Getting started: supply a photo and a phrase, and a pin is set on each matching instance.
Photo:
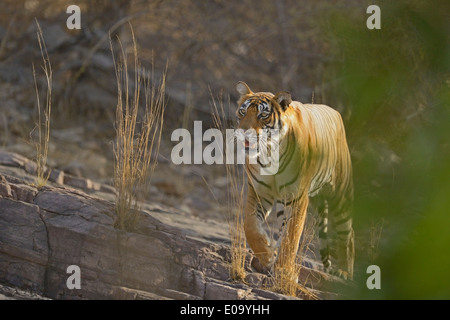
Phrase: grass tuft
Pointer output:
(138, 134)
(43, 124)
(236, 199)
(286, 273)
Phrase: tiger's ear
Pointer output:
(284, 99)
(243, 88)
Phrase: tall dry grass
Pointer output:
(138, 125)
(44, 112)
(291, 254)
(236, 198)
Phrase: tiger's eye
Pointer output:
(263, 115)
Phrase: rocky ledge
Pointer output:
(44, 231)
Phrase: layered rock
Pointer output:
(44, 231)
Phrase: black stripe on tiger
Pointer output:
(322, 233)
(259, 181)
(285, 162)
(346, 219)
(291, 181)
(288, 203)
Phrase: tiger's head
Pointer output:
(260, 111)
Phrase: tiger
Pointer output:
(314, 169)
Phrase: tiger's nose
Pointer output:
(244, 125)
(248, 137)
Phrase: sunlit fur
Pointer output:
(314, 167)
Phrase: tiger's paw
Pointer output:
(260, 267)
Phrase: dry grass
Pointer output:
(137, 137)
(291, 254)
(236, 200)
(286, 279)
(44, 112)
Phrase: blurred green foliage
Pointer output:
(394, 84)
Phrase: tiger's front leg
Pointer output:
(255, 213)
(291, 235)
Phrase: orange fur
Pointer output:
(314, 164)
